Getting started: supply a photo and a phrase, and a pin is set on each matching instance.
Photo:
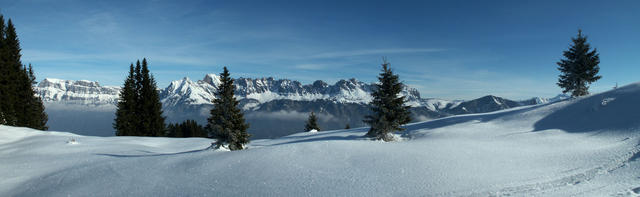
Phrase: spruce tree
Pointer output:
(126, 119)
(5, 111)
(579, 68)
(18, 103)
(36, 116)
(152, 119)
(226, 122)
(139, 111)
(312, 123)
(11, 70)
(389, 111)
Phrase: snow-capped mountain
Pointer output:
(274, 107)
(82, 92)
(262, 90)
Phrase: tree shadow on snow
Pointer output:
(484, 117)
(152, 155)
(313, 138)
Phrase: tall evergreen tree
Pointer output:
(579, 68)
(5, 111)
(126, 119)
(389, 111)
(226, 122)
(312, 123)
(139, 110)
(152, 119)
(18, 103)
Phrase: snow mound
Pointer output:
(614, 110)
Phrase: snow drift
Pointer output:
(579, 147)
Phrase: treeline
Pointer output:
(188, 128)
(19, 105)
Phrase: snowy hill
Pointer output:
(579, 147)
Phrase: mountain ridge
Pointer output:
(273, 107)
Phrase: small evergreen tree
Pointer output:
(579, 68)
(389, 111)
(37, 118)
(226, 122)
(347, 126)
(312, 123)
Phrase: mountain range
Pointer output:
(273, 107)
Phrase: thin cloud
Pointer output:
(311, 66)
(340, 54)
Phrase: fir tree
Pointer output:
(5, 107)
(312, 123)
(389, 111)
(226, 122)
(37, 118)
(139, 110)
(579, 68)
(151, 116)
(126, 119)
(18, 103)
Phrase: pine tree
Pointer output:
(126, 119)
(37, 118)
(5, 111)
(389, 111)
(312, 123)
(10, 69)
(579, 68)
(226, 122)
(139, 110)
(18, 103)
(152, 119)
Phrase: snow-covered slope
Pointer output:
(580, 147)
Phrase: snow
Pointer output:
(576, 147)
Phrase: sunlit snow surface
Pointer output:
(579, 147)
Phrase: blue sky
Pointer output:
(445, 49)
